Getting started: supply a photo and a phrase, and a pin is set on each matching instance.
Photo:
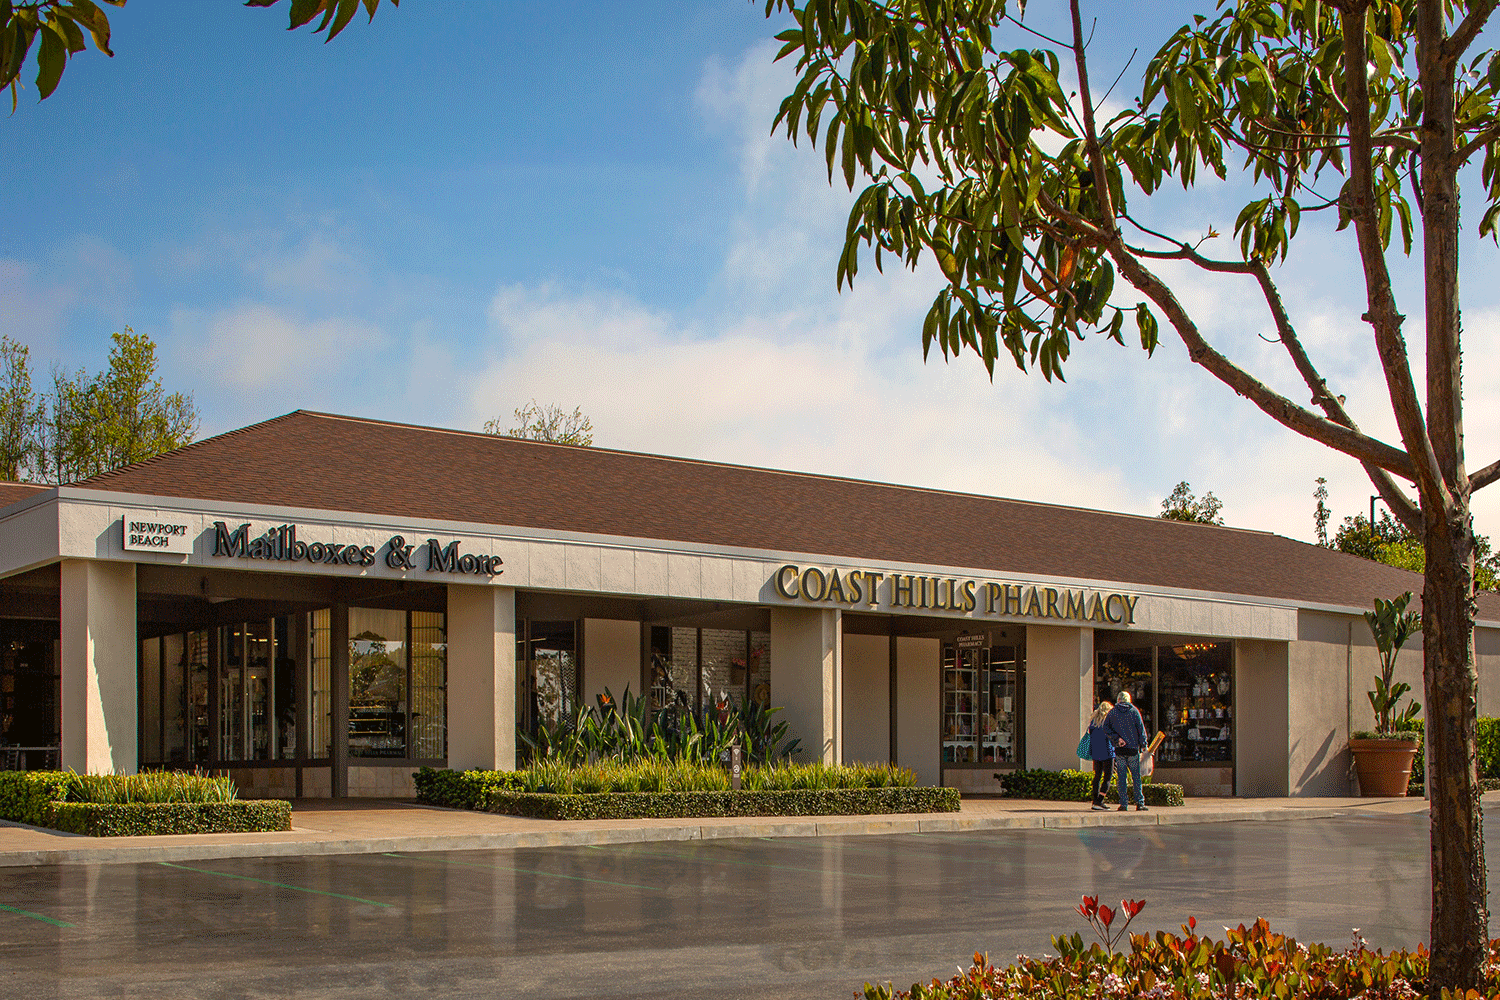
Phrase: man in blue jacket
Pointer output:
(1127, 733)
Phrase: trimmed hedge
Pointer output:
(146, 819)
(1074, 786)
(461, 789)
(42, 798)
(666, 805)
(27, 796)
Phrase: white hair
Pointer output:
(1124, 698)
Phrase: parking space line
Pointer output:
(527, 871)
(735, 861)
(277, 885)
(36, 916)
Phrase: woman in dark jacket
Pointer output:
(1102, 753)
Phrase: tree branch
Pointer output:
(1090, 134)
(1381, 313)
(1395, 498)
(1468, 29)
(1489, 474)
(1477, 143)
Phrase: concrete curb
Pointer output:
(180, 849)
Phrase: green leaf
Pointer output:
(1145, 324)
(51, 58)
(303, 11)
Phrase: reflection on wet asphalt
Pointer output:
(700, 919)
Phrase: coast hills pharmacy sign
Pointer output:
(902, 591)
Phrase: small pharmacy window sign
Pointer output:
(147, 532)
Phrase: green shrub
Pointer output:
(673, 804)
(27, 796)
(1250, 961)
(460, 789)
(150, 786)
(144, 819)
(1074, 786)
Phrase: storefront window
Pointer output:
(30, 705)
(195, 668)
(1196, 701)
(174, 706)
(377, 683)
(547, 653)
(999, 687)
(320, 707)
(1127, 670)
(674, 667)
(961, 703)
(429, 685)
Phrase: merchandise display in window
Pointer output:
(1197, 702)
(981, 702)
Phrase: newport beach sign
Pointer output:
(281, 544)
(901, 591)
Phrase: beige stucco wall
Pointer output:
(611, 658)
(1332, 664)
(98, 649)
(481, 677)
(805, 678)
(1262, 724)
(867, 698)
(1059, 693)
(1487, 656)
(919, 707)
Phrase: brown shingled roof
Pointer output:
(338, 463)
(16, 492)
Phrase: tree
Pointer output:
(17, 410)
(551, 423)
(972, 152)
(1389, 542)
(1321, 513)
(1183, 506)
(61, 25)
(85, 425)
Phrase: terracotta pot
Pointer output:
(1384, 766)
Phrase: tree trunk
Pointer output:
(1460, 912)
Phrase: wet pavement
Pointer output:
(786, 917)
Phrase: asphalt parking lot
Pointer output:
(701, 919)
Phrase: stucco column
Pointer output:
(1059, 693)
(481, 677)
(806, 676)
(99, 653)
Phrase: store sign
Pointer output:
(143, 533)
(281, 544)
(902, 591)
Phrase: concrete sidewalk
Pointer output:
(366, 826)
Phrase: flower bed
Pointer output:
(1075, 786)
(659, 789)
(135, 805)
(1250, 961)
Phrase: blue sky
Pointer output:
(465, 205)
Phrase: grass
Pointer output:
(150, 786)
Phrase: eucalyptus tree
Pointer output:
(953, 118)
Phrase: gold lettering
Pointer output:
(781, 583)
(856, 589)
(991, 591)
(937, 595)
(1109, 603)
(1033, 603)
(1130, 603)
(1013, 599)
(1073, 605)
(873, 579)
(1097, 615)
(902, 585)
(836, 585)
(968, 592)
(807, 576)
(1052, 603)
(923, 603)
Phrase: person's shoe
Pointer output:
(1141, 809)
(1123, 809)
(1100, 807)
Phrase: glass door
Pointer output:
(999, 682)
(232, 693)
(961, 716)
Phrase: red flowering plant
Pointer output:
(1102, 918)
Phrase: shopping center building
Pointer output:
(319, 604)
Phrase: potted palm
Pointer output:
(1383, 758)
